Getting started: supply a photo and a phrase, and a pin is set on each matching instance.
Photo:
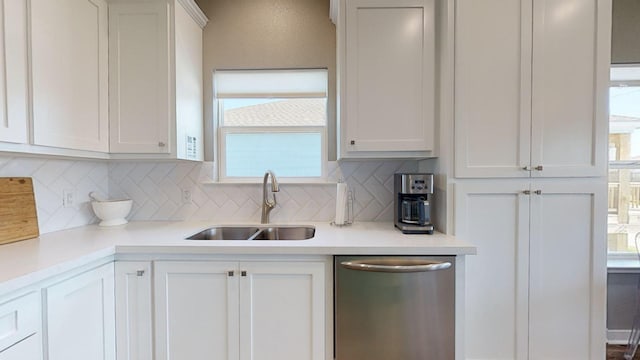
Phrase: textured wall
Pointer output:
(625, 37)
(50, 179)
(274, 34)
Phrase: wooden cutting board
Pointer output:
(18, 217)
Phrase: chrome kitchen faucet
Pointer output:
(268, 205)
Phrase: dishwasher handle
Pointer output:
(396, 265)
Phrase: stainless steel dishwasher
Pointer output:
(394, 307)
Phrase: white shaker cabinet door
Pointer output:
(14, 111)
(282, 311)
(571, 60)
(140, 72)
(388, 77)
(494, 216)
(80, 318)
(69, 72)
(568, 270)
(196, 310)
(134, 310)
(492, 88)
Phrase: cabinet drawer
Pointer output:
(19, 318)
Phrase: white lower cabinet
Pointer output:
(134, 310)
(20, 327)
(27, 349)
(536, 289)
(79, 316)
(239, 310)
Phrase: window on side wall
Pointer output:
(624, 160)
(271, 119)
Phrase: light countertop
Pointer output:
(26, 262)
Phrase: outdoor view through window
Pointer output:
(624, 159)
(272, 119)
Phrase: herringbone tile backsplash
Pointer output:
(157, 189)
(51, 178)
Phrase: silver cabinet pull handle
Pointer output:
(396, 266)
(139, 272)
(539, 167)
(538, 192)
(161, 144)
(526, 192)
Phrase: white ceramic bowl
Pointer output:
(112, 212)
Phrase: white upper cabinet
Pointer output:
(69, 55)
(531, 88)
(155, 79)
(386, 60)
(14, 93)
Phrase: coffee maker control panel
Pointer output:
(416, 184)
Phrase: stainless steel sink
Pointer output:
(225, 233)
(255, 233)
(285, 233)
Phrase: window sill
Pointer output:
(623, 263)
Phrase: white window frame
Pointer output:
(221, 131)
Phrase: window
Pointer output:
(271, 119)
(624, 159)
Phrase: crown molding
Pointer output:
(196, 13)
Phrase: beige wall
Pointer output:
(625, 38)
(260, 34)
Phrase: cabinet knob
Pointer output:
(538, 192)
(161, 144)
(539, 168)
(526, 192)
(526, 168)
(140, 273)
(230, 273)
(352, 142)
(243, 273)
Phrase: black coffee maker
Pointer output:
(413, 198)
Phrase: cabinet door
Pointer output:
(69, 65)
(568, 270)
(134, 310)
(282, 311)
(139, 78)
(492, 88)
(196, 310)
(571, 50)
(80, 317)
(494, 216)
(27, 349)
(14, 118)
(389, 76)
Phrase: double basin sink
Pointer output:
(255, 233)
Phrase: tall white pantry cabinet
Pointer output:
(530, 147)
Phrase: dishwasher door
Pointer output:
(394, 307)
